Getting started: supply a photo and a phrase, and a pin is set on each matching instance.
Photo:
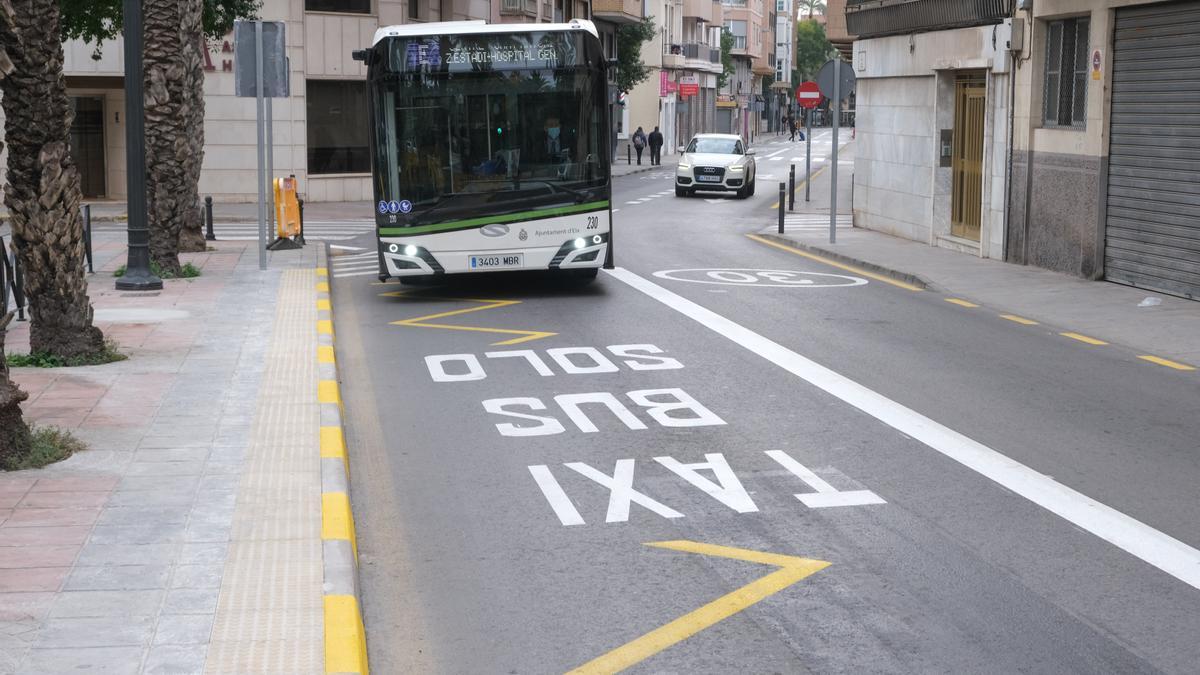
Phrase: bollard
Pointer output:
(208, 225)
(628, 154)
(782, 188)
(18, 286)
(792, 188)
(87, 236)
(300, 202)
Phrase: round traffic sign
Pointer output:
(846, 76)
(808, 95)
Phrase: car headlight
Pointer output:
(683, 166)
(735, 169)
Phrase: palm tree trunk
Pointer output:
(43, 191)
(14, 434)
(174, 125)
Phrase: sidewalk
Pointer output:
(1099, 309)
(188, 538)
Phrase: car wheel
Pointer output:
(680, 192)
(752, 183)
(743, 191)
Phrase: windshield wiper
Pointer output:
(579, 196)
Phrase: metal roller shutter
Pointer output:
(1152, 233)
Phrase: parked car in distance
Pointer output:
(716, 162)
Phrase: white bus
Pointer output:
(490, 148)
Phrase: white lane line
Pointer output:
(1157, 548)
(347, 248)
(775, 159)
(343, 275)
(615, 210)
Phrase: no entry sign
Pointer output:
(808, 95)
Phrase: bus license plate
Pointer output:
(497, 262)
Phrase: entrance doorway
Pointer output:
(87, 144)
(970, 105)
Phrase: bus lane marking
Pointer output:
(1157, 548)
(423, 321)
(792, 569)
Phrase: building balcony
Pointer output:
(673, 56)
(617, 11)
(708, 11)
(877, 18)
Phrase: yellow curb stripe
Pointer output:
(322, 272)
(322, 286)
(1164, 362)
(833, 263)
(336, 521)
(345, 637)
(325, 354)
(323, 304)
(333, 443)
(325, 327)
(1019, 319)
(961, 303)
(1084, 338)
(327, 392)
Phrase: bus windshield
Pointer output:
(496, 124)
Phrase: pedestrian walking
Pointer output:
(656, 143)
(792, 127)
(639, 143)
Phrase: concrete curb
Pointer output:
(899, 275)
(345, 635)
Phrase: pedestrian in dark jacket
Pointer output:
(656, 143)
(639, 143)
(792, 127)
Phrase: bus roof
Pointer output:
(478, 27)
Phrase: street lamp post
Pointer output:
(137, 275)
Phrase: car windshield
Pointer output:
(715, 146)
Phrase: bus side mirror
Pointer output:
(359, 55)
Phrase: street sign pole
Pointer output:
(270, 171)
(262, 178)
(837, 114)
(137, 275)
(807, 152)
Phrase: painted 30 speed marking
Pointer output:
(761, 278)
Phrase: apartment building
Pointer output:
(783, 89)
(319, 134)
(742, 106)
(685, 59)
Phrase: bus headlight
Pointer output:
(580, 243)
(409, 250)
(393, 248)
(596, 239)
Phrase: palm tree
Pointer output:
(43, 191)
(813, 7)
(14, 433)
(174, 82)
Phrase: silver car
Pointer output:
(718, 162)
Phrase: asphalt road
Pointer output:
(946, 462)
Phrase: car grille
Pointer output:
(717, 171)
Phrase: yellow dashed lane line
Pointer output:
(1083, 338)
(1166, 362)
(961, 303)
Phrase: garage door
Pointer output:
(1152, 234)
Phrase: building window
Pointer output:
(738, 30)
(414, 10)
(345, 6)
(1066, 73)
(337, 127)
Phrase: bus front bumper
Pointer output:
(411, 260)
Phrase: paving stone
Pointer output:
(170, 455)
(203, 553)
(125, 515)
(51, 517)
(191, 601)
(145, 483)
(108, 631)
(50, 500)
(118, 578)
(128, 554)
(106, 660)
(145, 532)
(13, 557)
(151, 498)
(43, 536)
(198, 576)
(107, 603)
(161, 468)
(183, 629)
(25, 605)
(176, 659)
(33, 579)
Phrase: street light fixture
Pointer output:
(137, 275)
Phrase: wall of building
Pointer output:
(905, 98)
(1056, 211)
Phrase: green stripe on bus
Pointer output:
(512, 217)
